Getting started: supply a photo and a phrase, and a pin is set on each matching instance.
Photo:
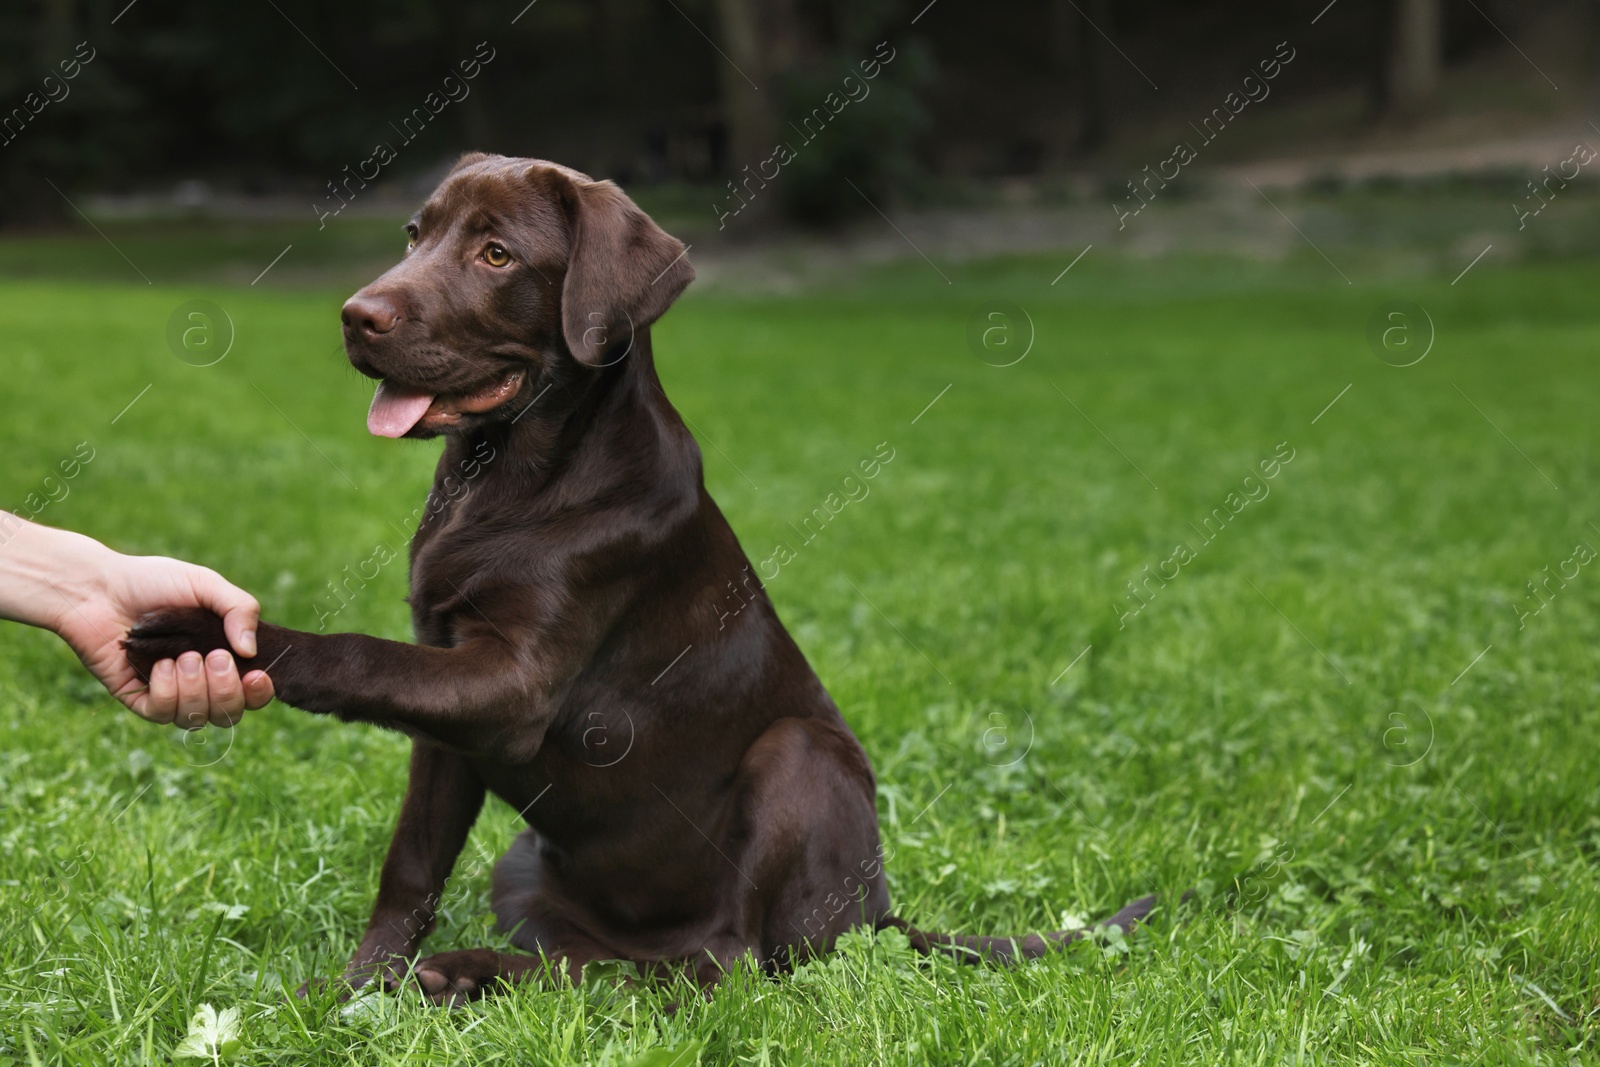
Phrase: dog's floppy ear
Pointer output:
(623, 271)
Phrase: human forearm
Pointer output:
(47, 573)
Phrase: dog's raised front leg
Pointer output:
(485, 695)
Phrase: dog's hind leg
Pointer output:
(810, 840)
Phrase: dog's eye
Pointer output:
(496, 255)
(411, 239)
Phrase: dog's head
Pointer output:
(513, 266)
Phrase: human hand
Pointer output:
(191, 690)
(91, 596)
(115, 591)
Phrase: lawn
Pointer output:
(1345, 719)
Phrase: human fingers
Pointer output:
(258, 691)
(192, 695)
(161, 699)
(224, 691)
(240, 612)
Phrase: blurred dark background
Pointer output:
(188, 100)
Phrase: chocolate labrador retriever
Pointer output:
(692, 794)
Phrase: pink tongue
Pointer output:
(395, 410)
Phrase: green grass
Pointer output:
(1393, 844)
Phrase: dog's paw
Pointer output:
(389, 977)
(385, 971)
(169, 633)
(451, 978)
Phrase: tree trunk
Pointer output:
(1064, 29)
(748, 103)
(1064, 49)
(1095, 128)
(1411, 73)
(470, 23)
(762, 39)
(55, 39)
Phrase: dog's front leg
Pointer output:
(442, 801)
(490, 694)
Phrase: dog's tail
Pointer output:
(1003, 951)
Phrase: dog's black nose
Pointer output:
(368, 315)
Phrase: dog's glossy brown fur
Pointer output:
(692, 793)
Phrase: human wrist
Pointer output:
(47, 574)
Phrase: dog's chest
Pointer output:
(440, 565)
